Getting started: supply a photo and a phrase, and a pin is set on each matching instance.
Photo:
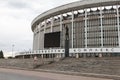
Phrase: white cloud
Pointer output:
(15, 21)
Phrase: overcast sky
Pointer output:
(15, 21)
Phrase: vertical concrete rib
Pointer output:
(33, 40)
(39, 36)
(72, 26)
(52, 24)
(45, 26)
(35, 47)
(85, 28)
(101, 23)
(61, 17)
(118, 25)
(44, 32)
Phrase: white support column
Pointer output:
(72, 26)
(37, 37)
(39, 27)
(45, 27)
(52, 24)
(33, 40)
(118, 25)
(61, 37)
(85, 28)
(44, 33)
(101, 23)
(61, 22)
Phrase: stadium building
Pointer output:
(93, 27)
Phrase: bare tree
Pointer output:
(1, 54)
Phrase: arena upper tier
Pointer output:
(91, 23)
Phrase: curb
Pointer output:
(82, 74)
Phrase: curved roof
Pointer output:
(71, 7)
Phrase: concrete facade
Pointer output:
(92, 24)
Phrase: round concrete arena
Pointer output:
(91, 24)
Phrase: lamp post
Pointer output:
(12, 49)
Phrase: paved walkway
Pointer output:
(12, 74)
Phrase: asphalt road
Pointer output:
(12, 74)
